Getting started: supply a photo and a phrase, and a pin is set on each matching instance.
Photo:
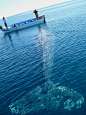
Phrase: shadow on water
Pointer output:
(10, 37)
(17, 33)
(50, 96)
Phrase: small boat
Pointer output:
(24, 24)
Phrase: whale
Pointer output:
(50, 97)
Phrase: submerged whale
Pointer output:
(50, 96)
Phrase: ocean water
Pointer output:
(43, 68)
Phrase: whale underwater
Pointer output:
(49, 96)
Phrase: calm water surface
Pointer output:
(54, 52)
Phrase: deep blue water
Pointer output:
(30, 56)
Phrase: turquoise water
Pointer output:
(43, 68)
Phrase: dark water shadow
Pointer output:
(10, 38)
(9, 35)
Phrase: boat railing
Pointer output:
(25, 22)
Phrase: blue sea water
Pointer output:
(55, 51)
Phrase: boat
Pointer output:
(24, 24)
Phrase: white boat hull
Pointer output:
(29, 24)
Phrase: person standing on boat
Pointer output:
(36, 14)
(5, 23)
